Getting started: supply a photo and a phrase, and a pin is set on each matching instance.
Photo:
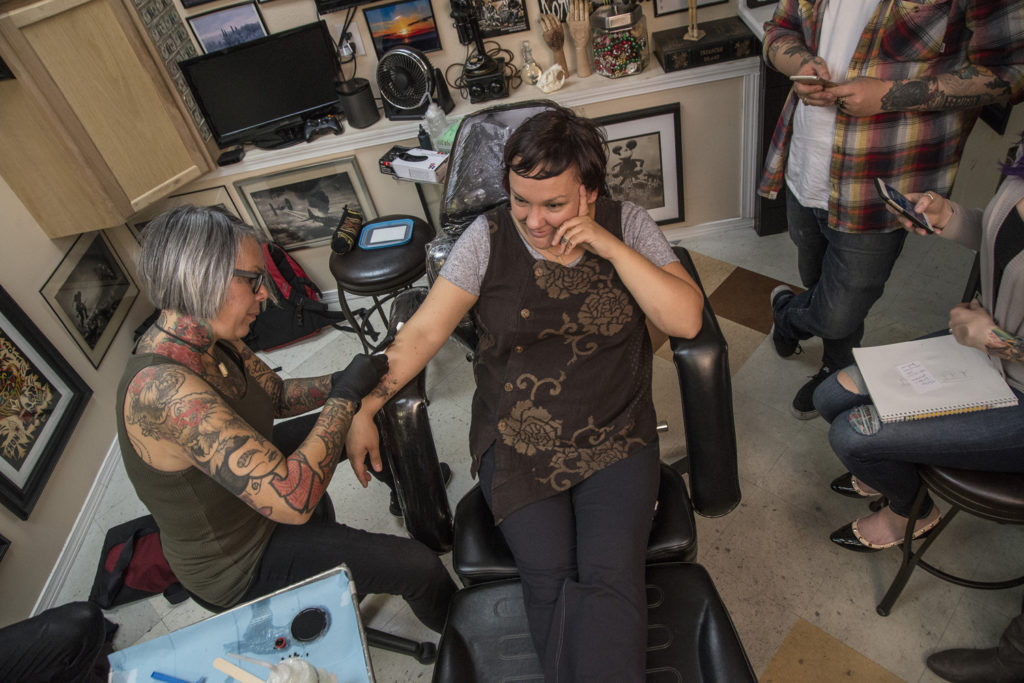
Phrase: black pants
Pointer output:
(60, 644)
(581, 558)
(380, 563)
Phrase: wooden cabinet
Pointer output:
(90, 131)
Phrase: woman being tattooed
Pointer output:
(568, 289)
(882, 458)
(240, 503)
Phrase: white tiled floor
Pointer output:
(771, 557)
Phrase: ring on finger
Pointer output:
(930, 196)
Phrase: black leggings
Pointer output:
(580, 555)
(380, 563)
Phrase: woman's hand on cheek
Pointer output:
(583, 231)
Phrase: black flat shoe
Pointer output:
(849, 538)
(845, 485)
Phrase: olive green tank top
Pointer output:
(212, 540)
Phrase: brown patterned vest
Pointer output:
(563, 368)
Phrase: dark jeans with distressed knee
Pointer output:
(581, 557)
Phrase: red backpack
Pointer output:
(298, 312)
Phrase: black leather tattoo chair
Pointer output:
(686, 614)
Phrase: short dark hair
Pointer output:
(548, 143)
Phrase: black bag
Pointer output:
(132, 566)
(298, 313)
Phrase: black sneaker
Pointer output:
(396, 509)
(803, 405)
(786, 347)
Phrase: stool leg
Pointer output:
(910, 558)
(355, 322)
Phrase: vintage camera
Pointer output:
(489, 84)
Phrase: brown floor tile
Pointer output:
(743, 298)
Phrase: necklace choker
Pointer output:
(195, 347)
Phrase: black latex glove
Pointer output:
(359, 378)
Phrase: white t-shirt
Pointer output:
(810, 150)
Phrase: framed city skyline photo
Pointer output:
(408, 23)
(302, 207)
(645, 164)
(41, 400)
(227, 26)
(91, 293)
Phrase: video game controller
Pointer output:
(314, 126)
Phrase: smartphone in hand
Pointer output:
(811, 79)
(902, 205)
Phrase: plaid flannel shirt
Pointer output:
(913, 151)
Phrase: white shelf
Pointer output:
(576, 92)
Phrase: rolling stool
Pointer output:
(379, 274)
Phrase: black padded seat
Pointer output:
(380, 274)
(995, 496)
(690, 636)
(480, 553)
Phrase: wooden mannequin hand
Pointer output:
(579, 29)
(555, 38)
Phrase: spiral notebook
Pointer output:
(931, 377)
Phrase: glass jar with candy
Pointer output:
(619, 40)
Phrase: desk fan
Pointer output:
(407, 81)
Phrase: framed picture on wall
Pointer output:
(500, 17)
(302, 207)
(406, 22)
(4, 545)
(91, 293)
(215, 196)
(645, 163)
(42, 398)
(227, 26)
(672, 6)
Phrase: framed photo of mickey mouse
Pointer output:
(645, 163)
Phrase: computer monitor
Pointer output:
(263, 91)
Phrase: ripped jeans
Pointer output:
(885, 455)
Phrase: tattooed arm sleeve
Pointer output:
(1004, 345)
(172, 411)
(291, 397)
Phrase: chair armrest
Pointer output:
(407, 443)
(702, 364)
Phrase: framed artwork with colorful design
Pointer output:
(41, 399)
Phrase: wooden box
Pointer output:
(724, 39)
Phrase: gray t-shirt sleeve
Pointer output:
(640, 232)
(467, 261)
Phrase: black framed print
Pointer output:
(501, 17)
(4, 545)
(42, 398)
(645, 164)
(301, 208)
(91, 292)
(408, 23)
(218, 197)
(227, 26)
(662, 7)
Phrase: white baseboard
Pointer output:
(675, 234)
(73, 545)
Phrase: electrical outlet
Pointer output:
(354, 38)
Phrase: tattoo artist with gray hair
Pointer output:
(900, 85)
(241, 503)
